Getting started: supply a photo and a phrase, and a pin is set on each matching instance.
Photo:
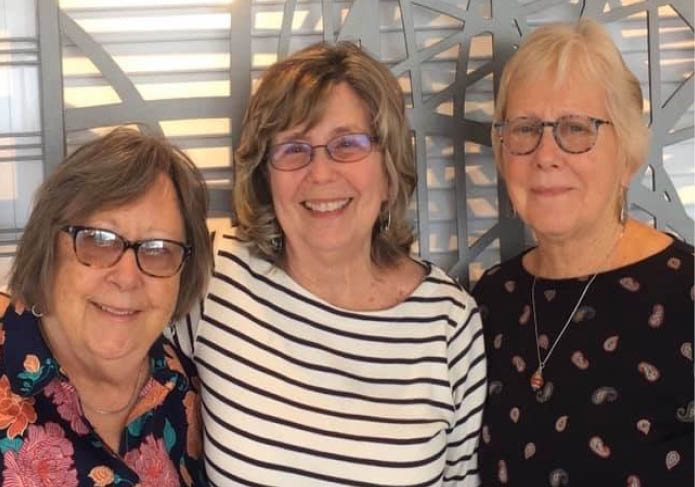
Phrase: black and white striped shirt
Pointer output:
(299, 393)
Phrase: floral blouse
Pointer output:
(46, 440)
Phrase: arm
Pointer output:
(467, 372)
(183, 331)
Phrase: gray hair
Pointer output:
(106, 173)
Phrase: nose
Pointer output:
(125, 273)
(321, 167)
(547, 155)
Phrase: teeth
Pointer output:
(119, 312)
(326, 206)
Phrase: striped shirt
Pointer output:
(299, 393)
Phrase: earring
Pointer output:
(276, 243)
(385, 225)
(35, 311)
(623, 211)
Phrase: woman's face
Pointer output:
(563, 195)
(330, 206)
(117, 312)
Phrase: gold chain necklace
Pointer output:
(110, 412)
(537, 380)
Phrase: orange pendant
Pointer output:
(537, 379)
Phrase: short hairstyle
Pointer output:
(587, 48)
(106, 173)
(293, 92)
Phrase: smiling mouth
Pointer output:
(550, 191)
(116, 311)
(326, 206)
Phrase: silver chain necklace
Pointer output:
(537, 380)
(537, 377)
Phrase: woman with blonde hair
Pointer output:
(328, 354)
(589, 334)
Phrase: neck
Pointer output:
(87, 372)
(341, 279)
(579, 255)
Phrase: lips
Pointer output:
(120, 312)
(550, 190)
(326, 206)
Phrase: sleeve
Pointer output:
(183, 331)
(468, 378)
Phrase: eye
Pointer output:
(576, 126)
(98, 238)
(154, 248)
(523, 127)
(289, 149)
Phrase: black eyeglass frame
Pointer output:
(597, 122)
(373, 140)
(74, 230)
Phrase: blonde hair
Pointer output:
(106, 173)
(587, 48)
(294, 92)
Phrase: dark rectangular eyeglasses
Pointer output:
(156, 257)
(290, 156)
(574, 134)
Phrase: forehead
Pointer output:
(549, 92)
(340, 110)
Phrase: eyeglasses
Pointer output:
(99, 248)
(290, 156)
(574, 134)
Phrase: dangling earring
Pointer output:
(276, 243)
(622, 213)
(385, 225)
(35, 311)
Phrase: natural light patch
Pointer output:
(188, 22)
(481, 208)
(82, 66)
(195, 126)
(210, 156)
(184, 89)
(7, 183)
(90, 96)
(262, 60)
(107, 4)
(273, 20)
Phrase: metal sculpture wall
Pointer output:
(447, 55)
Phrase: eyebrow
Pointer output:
(340, 130)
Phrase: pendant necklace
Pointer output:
(537, 377)
(537, 380)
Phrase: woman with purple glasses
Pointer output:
(589, 334)
(329, 356)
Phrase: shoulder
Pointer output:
(232, 253)
(440, 282)
(175, 359)
(496, 277)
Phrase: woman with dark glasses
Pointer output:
(329, 356)
(115, 248)
(589, 334)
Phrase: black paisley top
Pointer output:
(616, 408)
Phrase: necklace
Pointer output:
(84, 404)
(537, 380)
(109, 412)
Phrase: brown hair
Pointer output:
(588, 48)
(106, 173)
(293, 92)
